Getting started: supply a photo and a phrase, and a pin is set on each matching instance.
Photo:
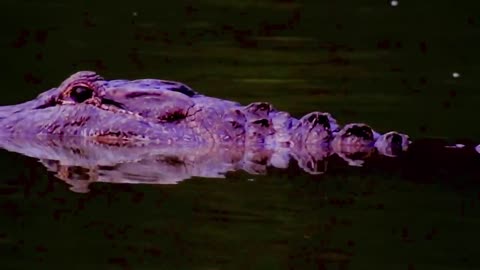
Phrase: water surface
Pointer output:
(391, 67)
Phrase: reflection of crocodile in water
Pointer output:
(122, 112)
(79, 161)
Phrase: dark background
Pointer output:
(360, 60)
(363, 61)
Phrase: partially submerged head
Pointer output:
(85, 104)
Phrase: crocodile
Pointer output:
(126, 112)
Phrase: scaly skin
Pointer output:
(121, 112)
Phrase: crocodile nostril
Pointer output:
(80, 94)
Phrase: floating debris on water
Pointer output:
(134, 14)
(477, 148)
(455, 75)
(394, 3)
(458, 145)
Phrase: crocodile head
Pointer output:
(110, 111)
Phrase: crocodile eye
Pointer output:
(80, 94)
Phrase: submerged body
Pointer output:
(125, 112)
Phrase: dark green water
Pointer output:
(363, 61)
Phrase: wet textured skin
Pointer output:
(122, 112)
